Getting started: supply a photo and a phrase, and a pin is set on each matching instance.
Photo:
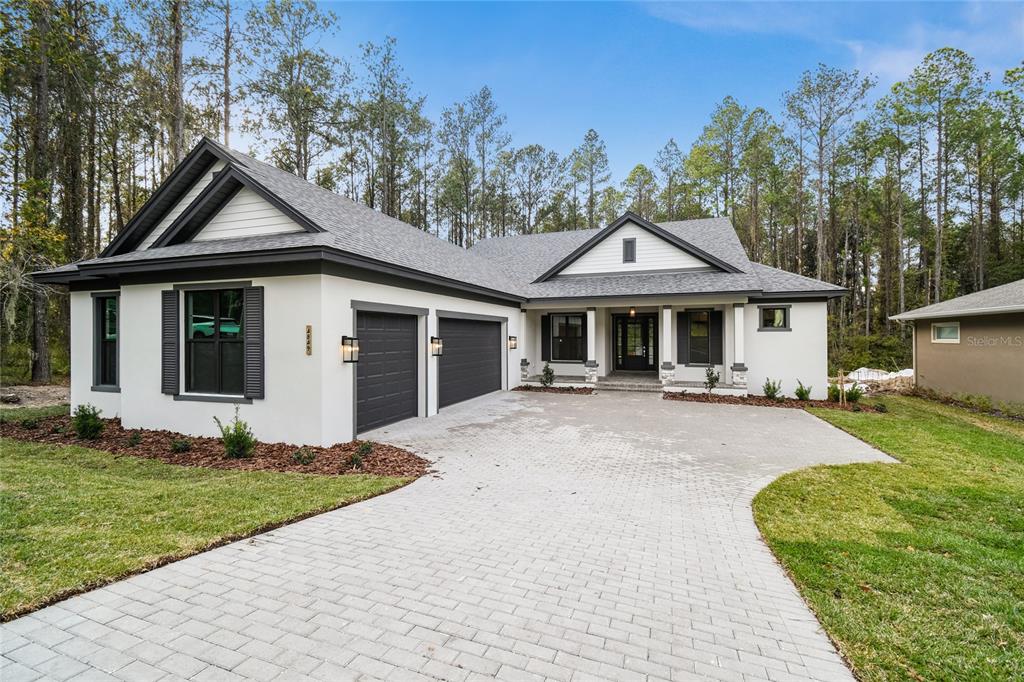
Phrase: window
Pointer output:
(629, 250)
(567, 340)
(213, 341)
(946, 332)
(700, 337)
(105, 359)
(774, 318)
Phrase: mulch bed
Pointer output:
(383, 460)
(554, 389)
(761, 401)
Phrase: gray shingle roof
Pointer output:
(508, 265)
(1007, 298)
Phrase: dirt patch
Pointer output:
(381, 460)
(554, 389)
(761, 401)
(27, 395)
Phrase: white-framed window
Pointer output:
(945, 332)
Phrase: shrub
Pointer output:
(179, 445)
(854, 393)
(237, 437)
(881, 407)
(856, 407)
(134, 438)
(303, 456)
(802, 392)
(833, 393)
(87, 422)
(29, 423)
(982, 403)
(771, 389)
(711, 379)
(547, 376)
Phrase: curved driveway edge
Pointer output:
(563, 537)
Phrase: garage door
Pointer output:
(386, 374)
(471, 364)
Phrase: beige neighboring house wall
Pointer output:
(988, 360)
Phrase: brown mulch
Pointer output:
(577, 390)
(761, 401)
(383, 460)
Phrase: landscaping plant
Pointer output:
(134, 438)
(238, 439)
(802, 392)
(87, 422)
(179, 445)
(547, 376)
(834, 393)
(304, 456)
(364, 450)
(772, 389)
(29, 423)
(711, 379)
(854, 393)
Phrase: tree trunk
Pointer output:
(227, 71)
(177, 85)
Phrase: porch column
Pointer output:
(525, 337)
(590, 366)
(668, 367)
(739, 367)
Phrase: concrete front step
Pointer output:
(642, 387)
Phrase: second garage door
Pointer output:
(387, 388)
(471, 363)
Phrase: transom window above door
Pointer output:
(214, 346)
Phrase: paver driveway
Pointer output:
(563, 537)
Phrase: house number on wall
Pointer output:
(309, 339)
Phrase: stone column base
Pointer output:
(739, 376)
(524, 369)
(590, 370)
(668, 372)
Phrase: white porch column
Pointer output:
(525, 345)
(739, 367)
(590, 367)
(668, 367)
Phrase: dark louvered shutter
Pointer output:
(253, 336)
(545, 338)
(170, 358)
(683, 338)
(716, 337)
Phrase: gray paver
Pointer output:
(563, 537)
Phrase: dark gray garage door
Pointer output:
(386, 374)
(471, 364)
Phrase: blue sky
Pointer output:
(640, 73)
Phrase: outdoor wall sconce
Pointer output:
(632, 311)
(349, 349)
(513, 343)
(436, 346)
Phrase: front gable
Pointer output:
(634, 245)
(246, 214)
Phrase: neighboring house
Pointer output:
(973, 344)
(240, 284)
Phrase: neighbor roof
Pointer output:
(1008, 298)
(345, 231)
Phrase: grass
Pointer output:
(72, 518)
(916, 569)
(16, 414)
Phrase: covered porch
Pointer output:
(665, 344)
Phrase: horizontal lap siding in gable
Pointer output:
(651, 253)
(247, 215)
(180, 207)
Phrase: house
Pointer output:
(241, 284)
(973, 344)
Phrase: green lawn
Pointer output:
(71, 517)
(915, 569)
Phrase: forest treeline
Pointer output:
(906, 197)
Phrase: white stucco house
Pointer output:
(240, 284)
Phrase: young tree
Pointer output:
(536, 173)
(489, 138)
(669, 164)
(640, 189)
(593, 166)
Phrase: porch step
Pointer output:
(650, 386)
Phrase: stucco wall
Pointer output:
(989, 360)
(787, 356)
(308, 398)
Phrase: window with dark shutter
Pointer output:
(215, 324)
(254, 350)
(105, 333)
(169, 358)
(700, 337)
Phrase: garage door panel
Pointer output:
(471, 364)
(387, 376)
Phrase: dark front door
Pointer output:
(636, 342)
(471, 363)
(387, 385)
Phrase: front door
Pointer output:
(635, 342)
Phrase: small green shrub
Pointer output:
(711, 379)
(57, 428)
(881, 407)
(854, 393)
(30, 423)
(179, 445)
(303, 456)
(547, 376)
(772, 389)
(982, 403)
(364, 450)
(237, 437)
(856, 407)
(87, 422)
(834, 393)
(134, 439)
(802, 392)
